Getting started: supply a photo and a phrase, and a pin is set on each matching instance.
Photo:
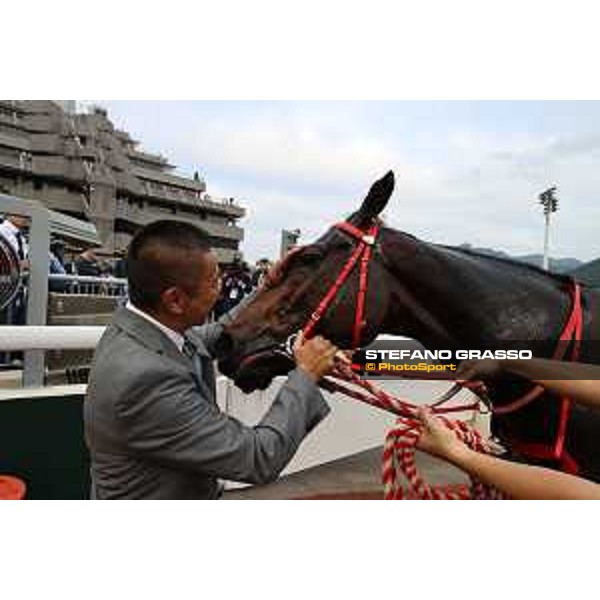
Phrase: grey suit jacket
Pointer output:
(153, 427)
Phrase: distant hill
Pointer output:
(589, 273)
(558, 265)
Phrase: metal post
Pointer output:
(37, 292)
(37, 287)
(550, 203)
(546, 263)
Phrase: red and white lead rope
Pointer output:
(401, 441)
(399, 457)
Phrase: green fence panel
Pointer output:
(41, 442)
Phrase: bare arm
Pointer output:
(525, 482)
(521, 482)
(579, 381)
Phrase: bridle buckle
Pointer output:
(368, 239)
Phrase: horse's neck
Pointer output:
(443, 295)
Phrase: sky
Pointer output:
(466, 172)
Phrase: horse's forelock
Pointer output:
(275, 275)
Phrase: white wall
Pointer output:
(351, 427)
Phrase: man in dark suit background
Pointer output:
(152, 424)
(12, 230)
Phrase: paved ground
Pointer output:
(354, 476)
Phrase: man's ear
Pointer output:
(173, 299)
(376, 200)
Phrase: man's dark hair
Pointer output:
(157, 259)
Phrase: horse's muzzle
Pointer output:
(255, 368)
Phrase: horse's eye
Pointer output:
(281, 311)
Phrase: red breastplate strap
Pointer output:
(362, 252)
(572, 332)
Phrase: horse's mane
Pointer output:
(502, 260)
(508, 261)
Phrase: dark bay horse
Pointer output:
(442, 296)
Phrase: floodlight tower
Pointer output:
(550, 203)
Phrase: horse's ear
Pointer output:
(376, 199)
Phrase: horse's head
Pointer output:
(295, 288)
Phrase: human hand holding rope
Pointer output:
(316, 356)
(436, 438)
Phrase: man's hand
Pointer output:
(316, 357)
(437, 439)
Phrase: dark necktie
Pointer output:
(20, 251)
(203, 367)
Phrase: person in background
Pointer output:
(57, 249)
(107, 269)
(86, 264)
(13, 229)
(236, 284)
(120, 270)
(578, 381)
(262, 268)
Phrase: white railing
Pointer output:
(87, 279)
(49, 337)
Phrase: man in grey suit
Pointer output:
(152, 424)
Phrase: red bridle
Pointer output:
(362, 252)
